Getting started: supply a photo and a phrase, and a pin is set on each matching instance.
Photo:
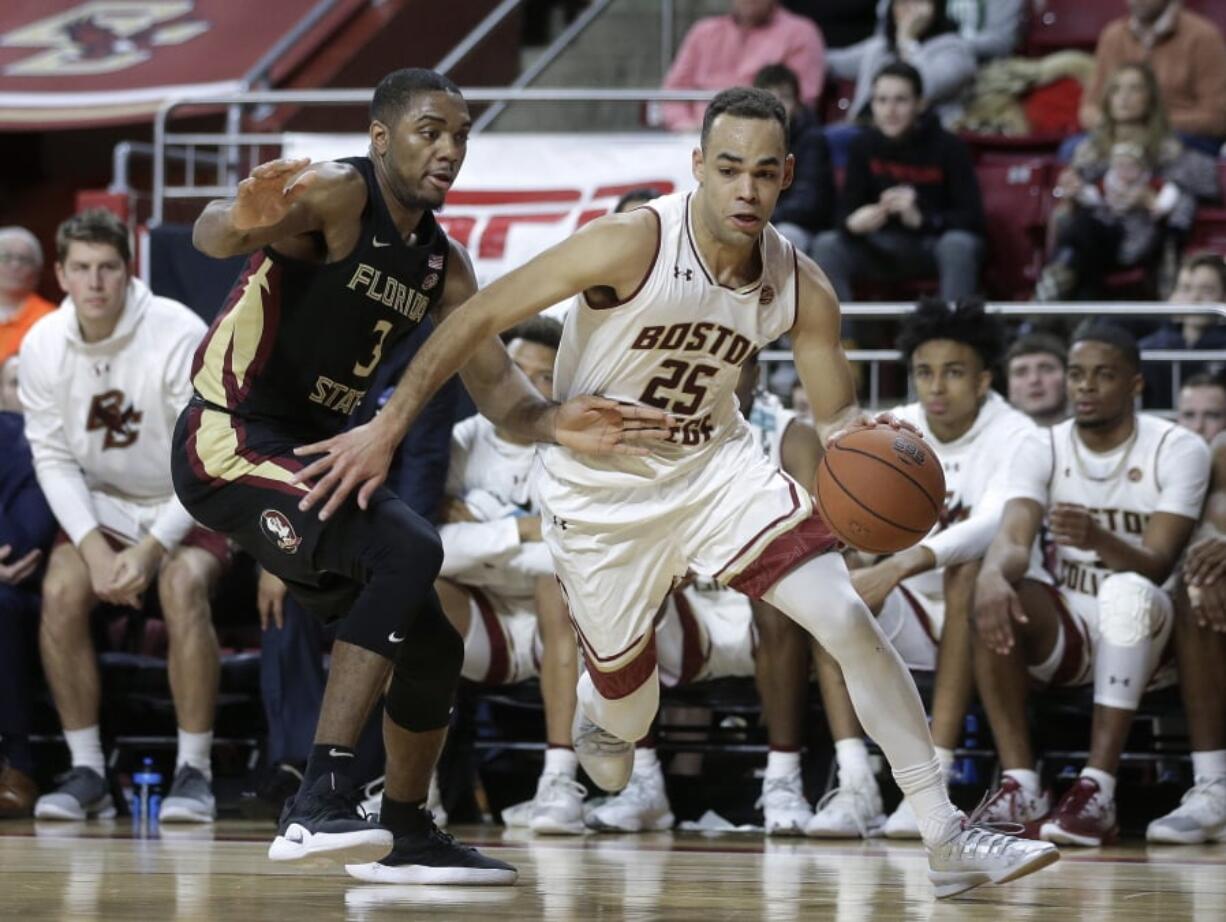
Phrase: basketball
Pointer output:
(880, 490)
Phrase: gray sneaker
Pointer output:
(607, 759)
(981, 853)
(190, 799)
(81, 793)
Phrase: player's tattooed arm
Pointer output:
(278, 203)
(824, 371)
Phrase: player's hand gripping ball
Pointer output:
(880, 490)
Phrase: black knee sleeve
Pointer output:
(426, 671)
(398, 555)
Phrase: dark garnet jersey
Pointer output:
(297, 343)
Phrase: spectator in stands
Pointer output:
(1034, 367)
(634, 198)
(1201, 280)
(292, 675)
(26, 530)
(21, 263)
(1148, 185)
(1188, 58)
(806, 206)
(992, 29)
(910, 205)
(102, 383)
(1202, 405)
(920, 33)
(725, 51)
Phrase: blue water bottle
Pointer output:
(147, 796)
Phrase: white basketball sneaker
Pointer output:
(1200, 816)
(557, 808)
(785, 811)
(642, 807)
(607, 759)
(902, 823)
(848, 813)
(976, 854)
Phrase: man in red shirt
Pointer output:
(21, 262)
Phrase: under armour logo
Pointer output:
(560, 523)
(687, 274)
(377, 243)
(1125, 682)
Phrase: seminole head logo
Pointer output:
(101, 36)
(278, 529)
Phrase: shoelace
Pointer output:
(349, 801)
(606, 742)
(786, 787)
(977, 822)
(859, 800)
(637, 792)
(560, 785)
(1213, 790)
(1080, 798)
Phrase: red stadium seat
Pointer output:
(1056, 25)
(1016, 201)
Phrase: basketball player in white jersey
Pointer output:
(1120, 492)
(497, 585)
(670, 300)
(1200, 653)
(706, 631)
(922, 595)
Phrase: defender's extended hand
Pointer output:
(266, 195)
(599, 426)
(358, 459)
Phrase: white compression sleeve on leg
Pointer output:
(1134, 619)
(819, 596)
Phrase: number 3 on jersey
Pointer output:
(382, 328)
(685, 387)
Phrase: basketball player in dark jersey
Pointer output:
(346, 259)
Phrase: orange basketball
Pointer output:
(880, 490)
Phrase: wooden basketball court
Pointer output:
(100, 871)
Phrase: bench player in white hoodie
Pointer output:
(669, 301)
(922, 595)
(103, 380)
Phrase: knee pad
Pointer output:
(426, 672)
(1131, 610)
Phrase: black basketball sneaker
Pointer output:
(324, 821)
(427, 855)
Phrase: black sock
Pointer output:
(326, 758)
(403, 816)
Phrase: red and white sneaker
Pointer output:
(1085, 816)
(1013, 804)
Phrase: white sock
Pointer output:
(1027, 778)
(1106, 782)
(946, 758)
(196, 750)
(86, 748)
(780, 764)
(924, 787)
(646, 759)
(854, 768)
(560, 761)
(1208, 765)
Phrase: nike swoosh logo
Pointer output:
(337, 754)
(394, 638)
(375, 241)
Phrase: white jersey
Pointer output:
(974, 496)
(493, 478)
(1162, 468)
(768, 421)
(676, 344)
(100, 416)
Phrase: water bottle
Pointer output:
(147, 795)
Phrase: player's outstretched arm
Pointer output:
(821, 362)
(615, 252)
(280, 200)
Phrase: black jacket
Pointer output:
(809, 201)
(929, 158)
